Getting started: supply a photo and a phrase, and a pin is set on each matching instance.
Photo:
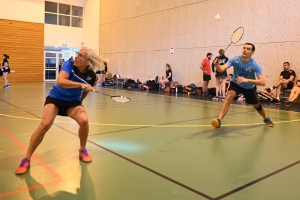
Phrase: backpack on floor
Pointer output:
(212, 91)
(264, 95)
(108, 82)
(129, 83)
(152, 84)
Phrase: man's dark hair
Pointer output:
(6, 56)
(208, 54)
(287, 63)
(253, 47)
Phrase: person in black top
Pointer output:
(6, 70)
(168, 77)
(101, 74)
(286, 81)
(61, 64)
(220, 76)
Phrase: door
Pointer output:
(52, 61)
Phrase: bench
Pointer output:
(285, 93)
(118, 81)
(169, 84)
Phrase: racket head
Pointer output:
(237, 35)
(121, 99)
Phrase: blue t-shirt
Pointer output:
(72, 94)
(247, 70)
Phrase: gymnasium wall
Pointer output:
(136, 35)
(24, 43)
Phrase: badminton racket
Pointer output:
(121, 99)
(236, 36)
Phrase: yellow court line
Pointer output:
(151, 125)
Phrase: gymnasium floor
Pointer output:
(156, 147)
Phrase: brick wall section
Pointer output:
(24, 43)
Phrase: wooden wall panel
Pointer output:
(24, 43)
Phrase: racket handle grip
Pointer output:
(83, 88)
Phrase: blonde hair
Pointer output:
(95, 61)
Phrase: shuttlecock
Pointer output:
(217, 16)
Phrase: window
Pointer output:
(64, 20)
(64, 9)
(77, 11)
(63, 14)
(51, 7)
(77, 22)
(50, 18)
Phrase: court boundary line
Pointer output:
(256, 181)
(56, 176)
(154, 125)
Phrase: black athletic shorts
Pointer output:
(249, 94)
(206, 77)
(221, 74)
(63, 106)
(6, 69)
(290, 85)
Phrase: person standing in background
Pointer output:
(220, 76)
(6, 70)
(205, 67)
(61, 64)
(101, 74)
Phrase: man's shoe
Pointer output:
(268, 122)
(23, 167)
(216, 123)
(277, 101)
(84, 155)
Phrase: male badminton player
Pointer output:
(246, 69)
(65, 99)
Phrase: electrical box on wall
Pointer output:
(172, 51)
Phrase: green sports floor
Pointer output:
(156, 147)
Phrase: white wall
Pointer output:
(59, 35)
(23, 10)
(91, 24)
(136, 35)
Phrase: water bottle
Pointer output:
(176, 90)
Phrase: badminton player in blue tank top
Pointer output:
(247, 74)
(75, 80)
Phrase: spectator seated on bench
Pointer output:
(286, 81)
(168, 77)
(294, 93)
